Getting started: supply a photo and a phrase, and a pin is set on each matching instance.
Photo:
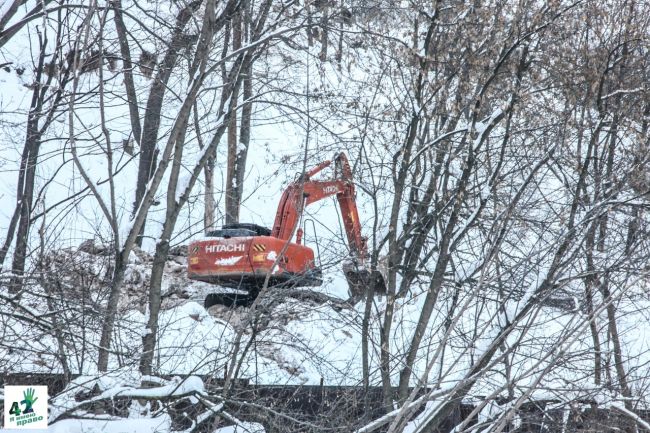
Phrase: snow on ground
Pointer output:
(304, 341)
(301, 342)
(130, 425)
(159, 424)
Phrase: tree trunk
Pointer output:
(160, 258)
(232, 203)
(111, 312)
(176, 201)
(11, 231)
(27, 176)
(174, 207)
(324, 34)
(22, 235)
(127, 70)
(157, 268)
(244, 137)
(612, 327)
(9, 12)
(210, 204)
(590, 282)
(394, 258)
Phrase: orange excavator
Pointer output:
(241, 256)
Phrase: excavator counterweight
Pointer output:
(241, 256)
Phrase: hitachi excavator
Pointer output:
(242, 256)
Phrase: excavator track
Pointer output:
(230, 300)
(251, 287)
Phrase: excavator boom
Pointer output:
(307, 191)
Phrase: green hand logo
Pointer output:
(29, 400)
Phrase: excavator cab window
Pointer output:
(230, 233)
(239, 230)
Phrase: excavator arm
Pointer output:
(305, 191)
(347, 202)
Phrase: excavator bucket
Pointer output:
(361, 280)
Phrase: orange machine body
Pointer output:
(242, 262)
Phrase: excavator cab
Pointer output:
(242, 256)
(239, 256)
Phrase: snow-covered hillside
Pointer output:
(499, 154)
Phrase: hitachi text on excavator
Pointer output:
(241, 256)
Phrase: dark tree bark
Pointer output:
(324, 33)
(11, 231)
(32, 147)
(232, 203)
(8, 33)
(9, 13)
(244, 133)
(27, 174)
(127, 70)
(590, 283)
